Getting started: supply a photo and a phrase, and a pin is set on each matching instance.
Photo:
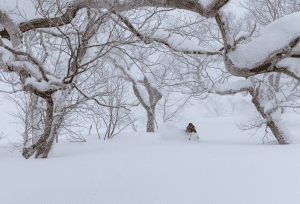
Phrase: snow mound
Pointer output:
(173, 131)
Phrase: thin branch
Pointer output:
(58, 35)
(101, 104)
(148, 40)
(74, 6)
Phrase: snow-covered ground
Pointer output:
(226, 166)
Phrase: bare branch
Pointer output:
(58, 35)
(73, 7)
(148, 40)
(101, 104)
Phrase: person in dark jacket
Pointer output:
(190, 129)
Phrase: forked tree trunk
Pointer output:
(273, 122)
(154, 96)
(43, 146)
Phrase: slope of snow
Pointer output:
(226, 166)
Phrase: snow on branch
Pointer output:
(206, 8)
(20, 65)
(41, 89)
(291, 64)
(273, 38)
(242, 35)
(41, 86)
(175, 42)
(233, 87)
(27, 66)
(276, 42)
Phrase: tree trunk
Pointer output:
(273, 122)
(43, 145)
(277, 130)
(36, 119)
(150, 121)
(154, 97)
(60, 111)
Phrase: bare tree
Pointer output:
(30, 118)
(113, 117)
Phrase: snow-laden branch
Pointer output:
(273, 38)
(31, 69)
(206, 8)
(233, 87)
(41, 89)
(242, 35)
(291, 64)
(275, 42)
(175, 42)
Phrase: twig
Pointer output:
(148, 40)
(101, 104)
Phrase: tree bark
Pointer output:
(36, 119)
(275, 127)
(150, 121)
(43, 145)
(274, 123)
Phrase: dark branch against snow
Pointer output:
(172, 41)
(101, 104)
(206, 8)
